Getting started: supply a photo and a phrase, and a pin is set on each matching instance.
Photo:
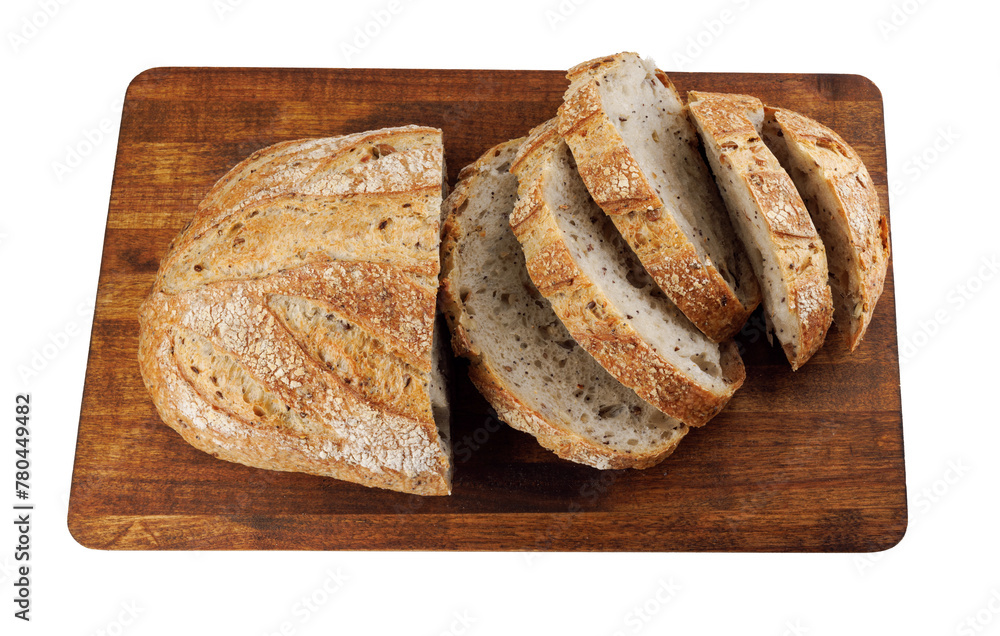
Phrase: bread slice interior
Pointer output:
(652, 120)
(526, 348)
(607, 260)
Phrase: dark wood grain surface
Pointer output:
(805, 461)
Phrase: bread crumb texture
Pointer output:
(523, 359)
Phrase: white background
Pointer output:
(65, 67)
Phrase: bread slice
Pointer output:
(521, 357)
(841, 197)
(770, 218)
(638, 154)
(596, 285)
(290, 326)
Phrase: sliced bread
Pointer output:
(770, 218)
(598, 288)
(638, 155)
(843, 202)
(521, 357)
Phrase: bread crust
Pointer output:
(596, 324)
(491, 380)
(725, 123)
(327, 167)
(618, 184)
(844, 175)
(313, 361)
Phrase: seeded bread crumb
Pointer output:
(522, 358)
(637, 152)
(599, 290)
(771, 220)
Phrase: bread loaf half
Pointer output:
(598, 288)
(522, 358)
(770, 218)
(638, 154)
(843, 202)
(291, 324)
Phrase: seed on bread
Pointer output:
(523, 359)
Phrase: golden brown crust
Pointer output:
(725, 122)
(617, 182)
(594, 322)
(609, 169)
(331, 167)
(268, 353)
(845, 175)
(389, 229)
(490, 380)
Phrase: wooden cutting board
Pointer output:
(805, 461)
